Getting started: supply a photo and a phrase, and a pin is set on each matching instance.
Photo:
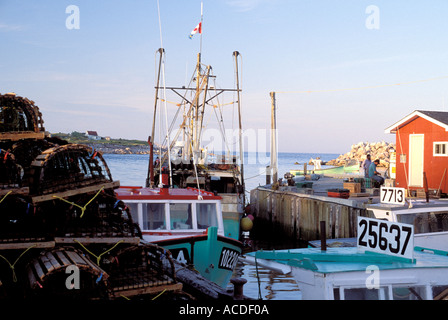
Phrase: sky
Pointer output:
(342, 71)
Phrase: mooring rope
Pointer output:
(258, 279)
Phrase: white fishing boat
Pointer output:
(429, 218)
(385, 265)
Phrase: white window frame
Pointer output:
(440, 154)
(168, 216)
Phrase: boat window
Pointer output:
(409, 293)
(426, 222)
(154, 216)
(180, 215)
(133, 207)
(440, 292)
(361, 293)
(206, 213)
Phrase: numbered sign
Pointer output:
(393, 195)
(386, 237)
(228, 259)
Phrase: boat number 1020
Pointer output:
(228, 259)
(385, 237)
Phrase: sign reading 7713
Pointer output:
(393, 195)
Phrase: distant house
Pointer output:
(422, 150)
(93, 135)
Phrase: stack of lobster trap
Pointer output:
(63, 232)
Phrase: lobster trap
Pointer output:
(19, 118)
(59, 211)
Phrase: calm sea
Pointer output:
(261, 283)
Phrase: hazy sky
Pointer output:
(101, 75)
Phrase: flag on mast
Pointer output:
(198, 29)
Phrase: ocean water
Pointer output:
(132, 169)
(263, 284)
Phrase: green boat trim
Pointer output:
(212, 255)
(330, 170)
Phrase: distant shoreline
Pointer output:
(119, 149)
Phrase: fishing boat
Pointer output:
(190, 205)
(189, 223)
(384, 265)
(350, 168)
(430, 219)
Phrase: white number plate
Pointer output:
(386, 237)
(228, 259)
(393, 195)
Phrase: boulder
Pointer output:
(359, 151)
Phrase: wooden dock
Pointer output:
(296, 213)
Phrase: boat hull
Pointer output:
(212, 255)
(232, 212)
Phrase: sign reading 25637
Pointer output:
(386, 237)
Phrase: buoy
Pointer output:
(246, 224)
(251, 217)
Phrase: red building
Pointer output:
(422, 150)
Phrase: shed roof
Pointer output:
(439, 118)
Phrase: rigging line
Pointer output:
(223, 130)
(184, 102)
(366, 87)
(195, 170)
(166, 123)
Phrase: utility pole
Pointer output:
(274, 166)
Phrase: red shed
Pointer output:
(422, 149)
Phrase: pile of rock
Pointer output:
(359, 152)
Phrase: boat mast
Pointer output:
(195, 132)
(236, 54)
(150, 176)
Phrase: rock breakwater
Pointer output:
(377, 150)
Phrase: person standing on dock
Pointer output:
(366, 165)
(374, 174)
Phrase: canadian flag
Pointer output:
(198, 29)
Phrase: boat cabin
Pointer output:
(422, 151)
(172, 213)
